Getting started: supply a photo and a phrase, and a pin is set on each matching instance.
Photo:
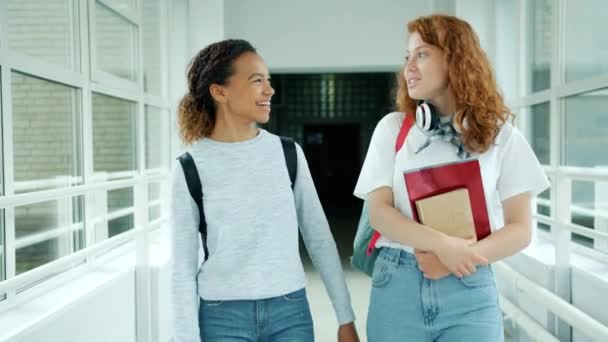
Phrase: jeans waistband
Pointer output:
(397, 256)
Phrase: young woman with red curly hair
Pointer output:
(426, 285)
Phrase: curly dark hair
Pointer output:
(212, 65)
(470, 77)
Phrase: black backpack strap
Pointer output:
(196, 191)
(291, 158)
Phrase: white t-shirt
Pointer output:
(508, 168)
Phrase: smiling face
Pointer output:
(248, 91)
(426, 70)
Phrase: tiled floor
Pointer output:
(343, 229)
(324, 317)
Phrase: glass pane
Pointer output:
(154, 212)
(540, 124)
(47, 231)
(115, 39)
(2, 249)
(51, 38)
(151, 46)
(543, 207)
(586, 129)
(586, 52)
(155, 143)
(153, 191)
(583, 201)
(120, 225)
(46, 147)
(539, 44)
(601, 218)
(114, 136)
(124, 4)
(1, 141)
(120, 199)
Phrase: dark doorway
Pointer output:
(333, 156)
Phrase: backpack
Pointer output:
(364, 247)
(196, 189)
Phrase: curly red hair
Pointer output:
(470, 78)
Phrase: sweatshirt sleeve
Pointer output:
(184, 260)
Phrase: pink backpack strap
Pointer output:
(408, 122)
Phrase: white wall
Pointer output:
(206, 23)
(319, 35)
(194, 25)
(480, 15)
(104, 315)
(96, 304)
(179, 57)
(507, 49)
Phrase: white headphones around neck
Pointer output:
(426, 116)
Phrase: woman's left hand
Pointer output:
(430, 265)
(348, 333)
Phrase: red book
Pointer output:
(435, 180)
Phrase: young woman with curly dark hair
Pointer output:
(426, 285)
(251, 284)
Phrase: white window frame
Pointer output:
(48, 276)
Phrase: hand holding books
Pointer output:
(449, 198)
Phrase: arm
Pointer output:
(390, 222)
(521, 177)
(319, 241)
(516, 233)
(512, 238)
(184, 260)
(456, 254)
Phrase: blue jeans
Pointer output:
(278, 319)
(404, 306)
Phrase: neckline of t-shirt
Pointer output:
(259, 136)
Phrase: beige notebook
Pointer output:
(449, 213)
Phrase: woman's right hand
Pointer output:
(458, 255)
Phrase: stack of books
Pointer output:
(450, 198)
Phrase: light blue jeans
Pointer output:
(279, 319)
(404, 306)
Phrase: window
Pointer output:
(71, 127)
(540, 123)
(124, 5)
(586, 129)
(151, 44)
(46, 142)
(586, 52)
(543, 207)
(154, 202)
(47, 231)
(114, 135)
(156, 142)
(120, 211)
(115, 43)
(539, 45)
(118, 204)
(44, 29)
(2, 249)
(581, 211)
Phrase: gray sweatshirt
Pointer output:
(252, 221)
